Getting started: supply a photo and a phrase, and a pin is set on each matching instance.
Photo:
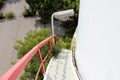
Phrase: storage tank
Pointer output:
(98, 40)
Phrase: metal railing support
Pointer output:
(41, 61)
(16, 69)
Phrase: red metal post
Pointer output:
(15, 70)
(49, 46)
(54, 40)
(41, 62)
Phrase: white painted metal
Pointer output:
(65, 13)
(60, 14)
(98, 40)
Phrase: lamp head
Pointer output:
(63, 14)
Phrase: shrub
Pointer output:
(23, 46)
(1, 15)
(9, 15)
(67, 40)
(28, 12)
(62, 43)
(1, 3)
(44, 21)
(56, 50)
(30, 40)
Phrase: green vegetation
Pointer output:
(72, 4)
(1, 3)
(30, 40)
(9, 15)
(70, 27)
(62, 43)
(56, 49)
(28, 12)
(1, 15)
(45, 8)
(67, 40)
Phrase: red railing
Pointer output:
(16, 69)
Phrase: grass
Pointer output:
(9, 15)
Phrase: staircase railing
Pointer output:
(16, 69)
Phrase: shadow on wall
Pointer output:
(12, 1)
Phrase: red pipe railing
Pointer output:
(16, 69)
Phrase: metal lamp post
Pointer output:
(60, 14)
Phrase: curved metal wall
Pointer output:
(98, 40)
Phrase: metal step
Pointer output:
(61, 68)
